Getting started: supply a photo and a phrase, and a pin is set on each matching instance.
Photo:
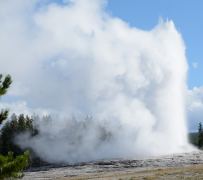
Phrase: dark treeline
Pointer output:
(17, 125)
(22, 124)
(14, 127)
(196, 138)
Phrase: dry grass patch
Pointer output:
(194, 172)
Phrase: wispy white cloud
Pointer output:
(195, 107)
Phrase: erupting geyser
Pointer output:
(119, 91)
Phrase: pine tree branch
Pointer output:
(5, 84)
(3, 115)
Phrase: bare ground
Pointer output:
(187, 166)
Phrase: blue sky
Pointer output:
(187, 16)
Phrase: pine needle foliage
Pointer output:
(13, 166)
(10, 166)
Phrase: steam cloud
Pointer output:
(119, 91)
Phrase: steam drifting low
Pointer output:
(115, 91)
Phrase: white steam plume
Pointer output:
(75, 59)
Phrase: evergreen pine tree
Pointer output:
(4, 85)
(10, 166)
(200, 136)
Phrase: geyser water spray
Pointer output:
(119, 91)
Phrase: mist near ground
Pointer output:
(111, 90)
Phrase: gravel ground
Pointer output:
(177, 166)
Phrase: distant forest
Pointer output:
(15, 126)
(196, 138)
(25, 124)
